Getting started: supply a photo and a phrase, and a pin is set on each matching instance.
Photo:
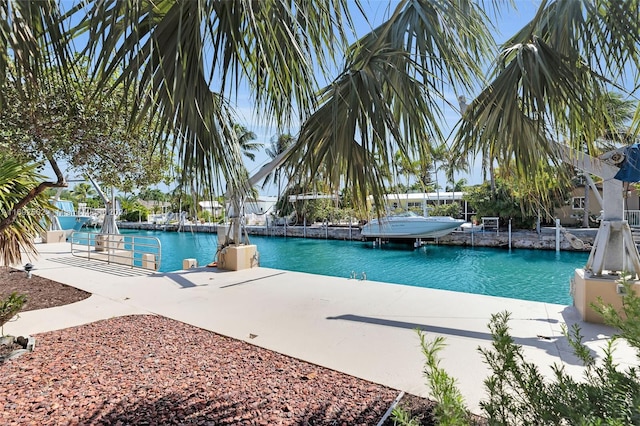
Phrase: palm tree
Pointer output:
(620, 113)
(30, 34)
(278, 146)
(550, 79)
(82, 191)
(453, 162)
(389, 95)
(245, 139)
(17, 179)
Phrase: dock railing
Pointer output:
(633, 217)
(131, 250)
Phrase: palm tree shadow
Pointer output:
(556, 345)
(236, 408)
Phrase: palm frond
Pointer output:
(550, 81)
(32, 40)
(17, 179)
(187, 59)
(538, 95)
(390, 95)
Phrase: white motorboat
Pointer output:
(408, 225)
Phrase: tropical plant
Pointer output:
(245, 139)
(149, 194)
(522, 200)
(9, 307)
(24, 208)
(518, 394)
(83, 191)
(404, 165)
(500, 203)
(137, 214)
(389, 95)
(448, 209)
(459, 185)
(278, 146)
(550, 79)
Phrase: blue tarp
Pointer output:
(630, 168)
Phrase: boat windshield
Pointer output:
(407, 213)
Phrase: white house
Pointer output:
(213, 207)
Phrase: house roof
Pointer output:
(429, 196)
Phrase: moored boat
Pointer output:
(66, 217)
(408, 225)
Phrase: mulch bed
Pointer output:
(41, 292)
(152, 370)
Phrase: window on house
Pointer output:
(578, 203)
(394, 205)
(415, 204)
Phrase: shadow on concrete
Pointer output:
(102, 266)
(556, 346)
(183, 280)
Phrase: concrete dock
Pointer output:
(362, 328)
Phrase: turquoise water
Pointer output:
(537, 275)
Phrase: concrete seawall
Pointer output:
(545, 240)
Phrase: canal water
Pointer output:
(537, 275)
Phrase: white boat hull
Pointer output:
(410, 227)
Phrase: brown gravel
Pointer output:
(156, 371)
(153, 370)
(41, 293)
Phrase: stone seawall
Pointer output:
(545, 240)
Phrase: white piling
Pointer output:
(557, 234)
(509, 234)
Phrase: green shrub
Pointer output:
(9, 307)
(518, 394)
(140, 214)
(452, 210)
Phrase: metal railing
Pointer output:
(633, 217)
(130, 250)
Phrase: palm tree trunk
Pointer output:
(492, 176)
(585, 217)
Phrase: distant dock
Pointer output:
(545, 240)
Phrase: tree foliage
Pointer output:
(522, 200)
(73, 122)
(9, 307)
(550, 79)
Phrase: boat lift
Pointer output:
(614, 257)
(109, 225)
(234, 251)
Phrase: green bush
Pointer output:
(10, 306)
(139, 214)
(518, 394)
(452, 210)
